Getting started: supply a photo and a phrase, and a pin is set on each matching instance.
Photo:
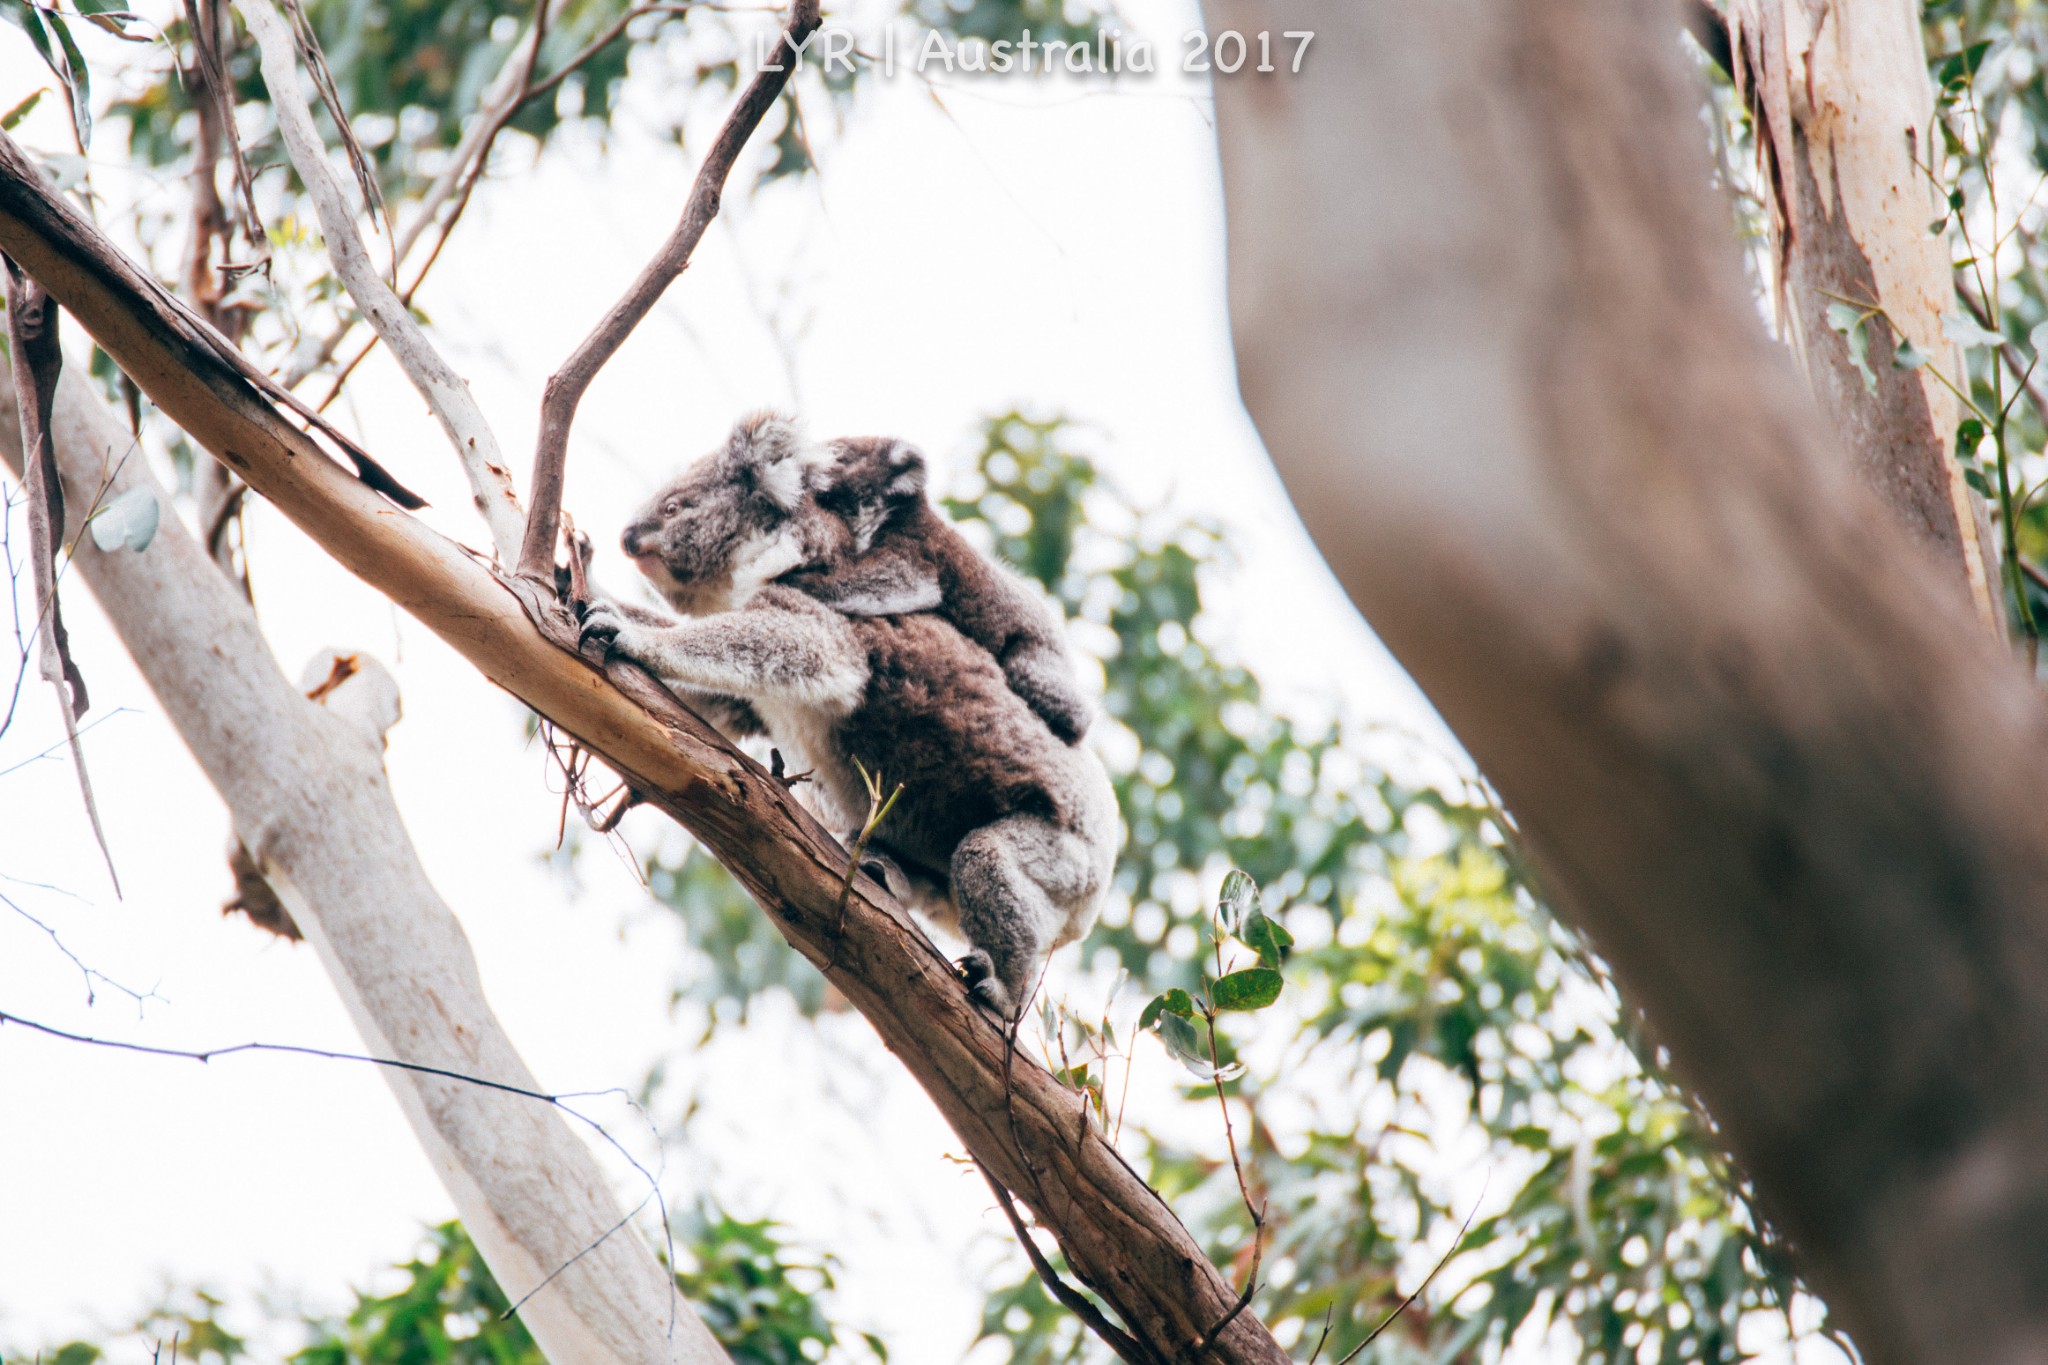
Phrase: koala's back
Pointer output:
(939, 717)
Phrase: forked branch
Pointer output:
(566, 386)
(445, 392)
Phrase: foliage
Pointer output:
(1474, 1034)
(742, 1278)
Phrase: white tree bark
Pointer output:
(446, 393)
(1490, 324)
(310, 801)
(1845, 129)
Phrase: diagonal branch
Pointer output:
(443, 389)
(566, 386)
(1022, 1127)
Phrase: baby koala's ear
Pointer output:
(907, 472)
(768, 446)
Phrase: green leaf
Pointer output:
(1240, 897)
(1254, 988)
(1969, 432)
(1975, 478)
(1185, 1044)
(1967, 332)
(128, 520)
(1175, 1003)
(20, 111)
(1908, 356)
(77, 80)
(1267, 937)
(1845, 317)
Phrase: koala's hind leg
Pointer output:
(1013, 884)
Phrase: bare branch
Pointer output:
(443, 389)
(566, 386)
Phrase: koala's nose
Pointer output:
(630, 542)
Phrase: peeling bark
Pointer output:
(1844, 114)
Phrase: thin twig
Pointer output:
(443, 389)
(565, 388)
(559, 1101)
(878, 809)
(1126, 1346)
(1435, 1270)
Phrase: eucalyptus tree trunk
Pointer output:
(306, 786)
(1847, 145)
(1490, 322)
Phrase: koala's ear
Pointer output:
(907, 472)
(768, 446)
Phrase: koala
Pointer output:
(1003, 833)
(907, 557)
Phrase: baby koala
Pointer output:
(906, 556)
(1004, 830)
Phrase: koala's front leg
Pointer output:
(766, 653)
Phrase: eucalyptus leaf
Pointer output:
(1254, 988)
(1967, 332)
(1240, 897)
(1908, 356)
(1845, 317)
(1267, 937)
(13, 117)
(127, 520)
(1185, 1043)
(1176, 1003)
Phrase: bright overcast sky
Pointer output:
(995, 243)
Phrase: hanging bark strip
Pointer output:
(37, 361)
(566, 386)
(1022, 1126)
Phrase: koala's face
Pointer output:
(735, 519)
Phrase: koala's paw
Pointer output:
(984, 988)
(602, 623)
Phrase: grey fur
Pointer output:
(906, 557)
(1004, 831)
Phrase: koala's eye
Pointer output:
(671, 507)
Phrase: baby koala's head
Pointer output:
(734, 520)
(865, 481)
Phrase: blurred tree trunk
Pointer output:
(306, 786)
(1490, 324)
(1845, 133)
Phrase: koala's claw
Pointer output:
(983, 986)
(600, 624)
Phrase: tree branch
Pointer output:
(445, 392)
(306, 787)
(1115, 1232)
(566, 386)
